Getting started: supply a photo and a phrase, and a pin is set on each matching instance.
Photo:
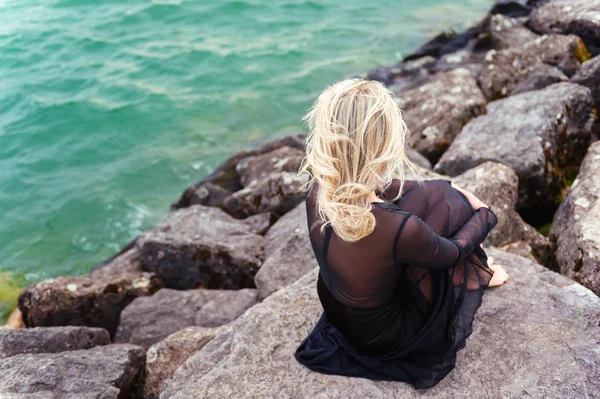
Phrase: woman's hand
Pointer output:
(476, 203)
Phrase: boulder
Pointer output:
(278, 193)
(164, 357)
(578, 17)
(589, 76)
(293, 222)
(94, 299)
(258, 167)
(226, 176)
(202, 246)
(508, 32)
(497, 186)
(551, 353)
(576, 225)
(503, 70)
(542, 135)
(404, 75)
(542, 76)
(290, 261)
(436, 112)
(108, 371)
(151, 319)
(50, 340)
(511, 8)
(415, 157)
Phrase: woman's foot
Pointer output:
(500, 276)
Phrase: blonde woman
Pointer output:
(402, 271)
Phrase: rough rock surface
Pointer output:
(589, 76)
(504, 70)
(436, 112)
(256, 168)
(542, 76)
(204, 246)
(107, 372)
(579, 17)
(151, 319)
(226, 176)
(164, 357)
(94, 299)
(542, 135)
(292, 222)
(278, 193)
(576, 226)
(508, 32)
(496, 185)
(50, 339)
(551, 353)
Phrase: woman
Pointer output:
(402, 271)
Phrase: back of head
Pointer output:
(355, 145)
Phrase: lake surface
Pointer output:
(108, 110)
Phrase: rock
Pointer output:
(415, 157)
(256, 168)
(544, 75)
(512, 8)
(433, 47)
(50, 340)
(164, 357)
(520, 248)
(551, 353)
(203, 193)
(508, 32)
(497, 185)
(202, 245)
(226, 176)
(503, 70)
(278, 193)
(109, 371)
(292, 260)
(543, 140)
(436, 112)
(404, 75)
(260, 222)
(127, 262)
(578, 17)
(293, 222)
(94, 299)
(589, 76)
(151, 319)
(576, 225)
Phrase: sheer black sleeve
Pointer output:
(417, 244)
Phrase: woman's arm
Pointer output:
(417, 244)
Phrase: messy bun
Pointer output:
(355, 145)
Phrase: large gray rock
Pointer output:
(50, 339)
(496, 185)
(576, 226)
(202, 246)
(544, 326)
(151, 319)
(503, 70)
(94, 299)
(589, 76)
(436, 112)
(107, 372)
(579, 17)
(292, 222)
(542, 135)
(277, 193)
(225, 179)
(508, 32)
(542, 76)
(164, 357)
(258, 167)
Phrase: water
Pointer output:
(108, 110)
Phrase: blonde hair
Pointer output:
(355, 145)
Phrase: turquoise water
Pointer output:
(108, 110)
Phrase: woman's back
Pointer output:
(381, 290)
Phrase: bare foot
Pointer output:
(500, 276)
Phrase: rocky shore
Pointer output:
(213, 301)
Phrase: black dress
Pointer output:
(399, 303)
